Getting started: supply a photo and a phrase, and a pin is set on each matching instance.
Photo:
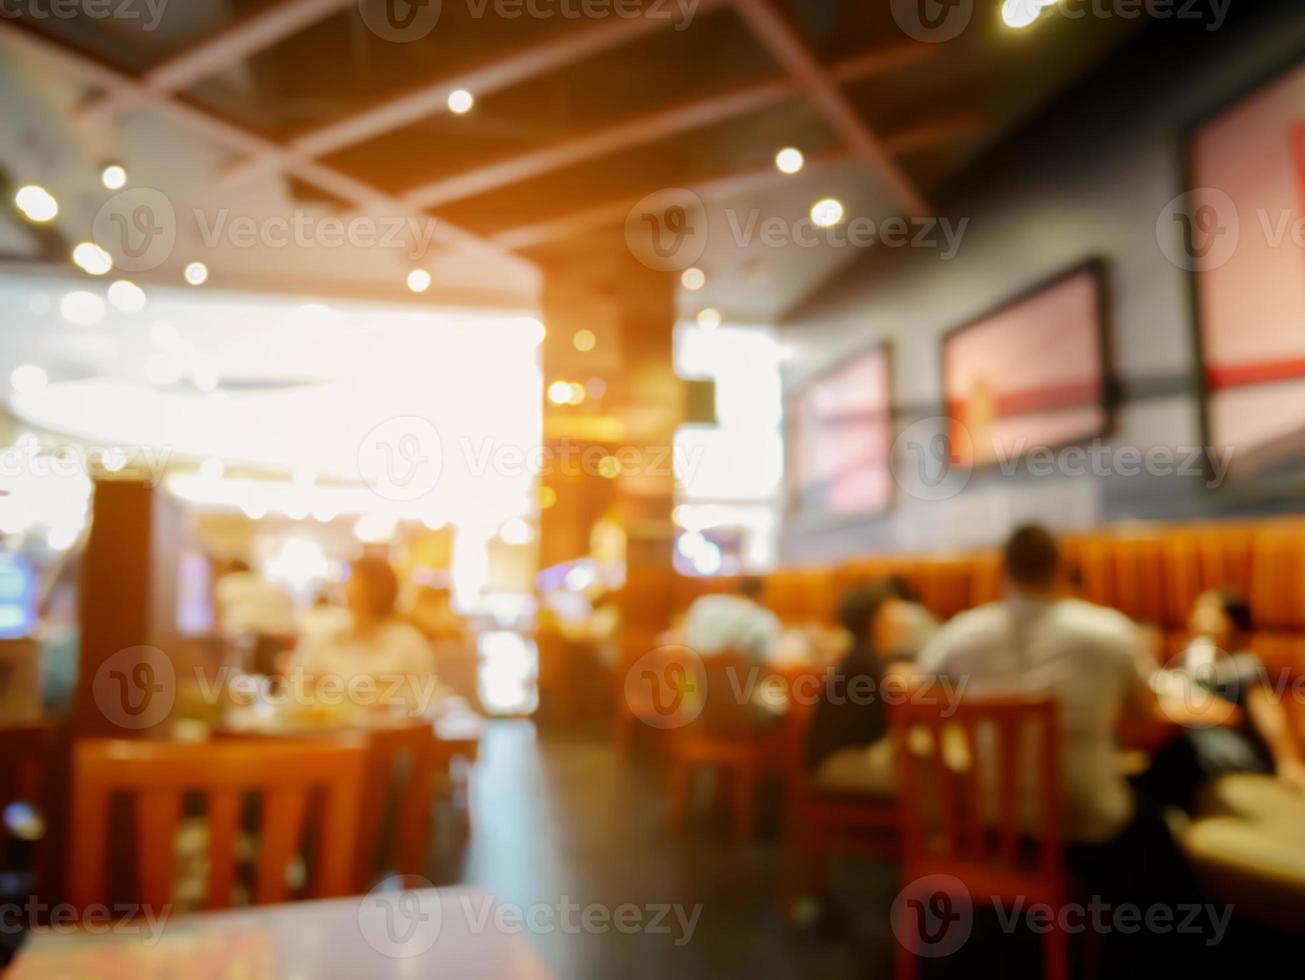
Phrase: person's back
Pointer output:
(1036, 642)
(1080, 654)
(248, 603)
(716, 623)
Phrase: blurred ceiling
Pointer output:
(265, 109)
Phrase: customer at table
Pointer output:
(254, 615)
(918, 624)
(1037, 641)
(376, 644)
(846, 745)
(738, 623)
(1218, 677)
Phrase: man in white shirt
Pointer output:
(249, 604)
(1037, 641)
(739, 623)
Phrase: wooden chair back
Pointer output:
(401, 769)
(967, 782)
(728, 680)
(155, 776)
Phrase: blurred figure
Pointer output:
(254, 616)
(717, 623)
(322, 619)
(456, 658)
(377, 644)
(1217, 666)
(918, 624)
(846, 747)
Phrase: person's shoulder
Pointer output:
(973, 629)
(1109, 628)
(979, 620)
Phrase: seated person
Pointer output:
(1037, 641)
(375, 644)
(846, 747)
(738, 623)
(918, 624)
(1248, 731)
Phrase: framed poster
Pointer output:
(1244, 240)
(1029, 375)
(838, 437)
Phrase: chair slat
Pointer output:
(224, 828)
(279, 829)
(158, 813)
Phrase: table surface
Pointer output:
(445, 932)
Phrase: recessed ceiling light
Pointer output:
(693, 279)
(584, 340)
(827, 211)
(709, 318)
(789, 160)
(419, 280)
(196, 273)
(1019, 14)
(126, 296)
(36, 203)
(559, 392)
(28, 378)
(460, 101)
(114, 177)
(91, 258)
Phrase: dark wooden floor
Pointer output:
(558, 817)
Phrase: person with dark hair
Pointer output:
(1223, 681)
(718, 622)
(846, 748)
(918, 624)
(1038, 640)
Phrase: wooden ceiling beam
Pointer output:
(656, 125)
(230, 46)
(786, 45)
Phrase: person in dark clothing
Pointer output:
(851, 714)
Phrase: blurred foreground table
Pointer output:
(445, 932)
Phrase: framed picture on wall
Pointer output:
(1244, 240)
(838, 437)
(1031, 374)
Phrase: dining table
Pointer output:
(449, 933)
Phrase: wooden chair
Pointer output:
(728, 736)
(403, 759)
(156, 775)
(963, 810)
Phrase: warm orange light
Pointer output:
(609, 467)
(584, 340)
(559, 392)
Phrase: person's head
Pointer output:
(1222, 616)
(900, 588)
(1031, 561)
(869, 613)
(752, 587)
(372, 590)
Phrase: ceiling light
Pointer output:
(559, 392)
(113, 459)
(1019, 14)
(516, 531)
(693, 279)
(419, 280)
(826, 212)
(196, 273)
(609, 467)
(584, 340)
(789, 160)
(212, 468)
(114, 177)
(126, 296)
(91, 258)
(28, 378)
(36, 203)
(460, 101)
(709, 318)
(575, 393)
(82, 308)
